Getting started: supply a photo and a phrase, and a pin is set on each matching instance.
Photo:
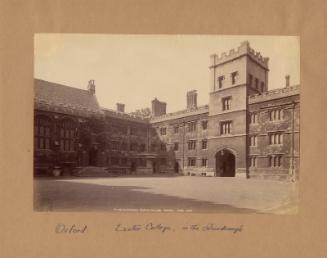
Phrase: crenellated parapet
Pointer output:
(242, 50)
(275, 94)
(181, 114)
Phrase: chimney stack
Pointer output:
(91, 87)
(191, 98)
(287, 80)
(120, 107)
(158, 107)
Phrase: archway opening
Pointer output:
(225, 163)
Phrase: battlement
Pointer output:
(243, 49)
(181, 114)
(275, 94)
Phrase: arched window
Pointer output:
(67, 135)
(42, 133)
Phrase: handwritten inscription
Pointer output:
(70, 229)
(147, 227)
(152, 227)
(166, 228)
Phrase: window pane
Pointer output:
(47, 143)
(41, 143)
(41, 131)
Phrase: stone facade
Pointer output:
(245, 130)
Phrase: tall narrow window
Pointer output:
(204, 125)
(253, 161)
(204, 144)
(275, 160)
(250, 79)
(275, 138)
(191, 126)
(253, 118)
(67, 136)
(276, 114)
(163, 131)
(262, 86)
(176, 129)
(42, 133)
(234, 76)
(225, 127)
(191, 144)
(191, 162)
(257, 83)
(176, 146)
(253, 140)
(221, 81)
(226, 103)
(204, 162)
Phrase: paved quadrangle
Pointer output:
(191, 194)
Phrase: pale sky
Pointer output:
(134, 69)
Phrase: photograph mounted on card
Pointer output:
(166, 123)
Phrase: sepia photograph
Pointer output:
(166, 123)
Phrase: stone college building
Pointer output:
(246, 130)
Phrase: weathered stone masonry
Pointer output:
(245, 130)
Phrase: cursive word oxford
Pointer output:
(70, 229)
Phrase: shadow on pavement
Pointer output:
(57, 195)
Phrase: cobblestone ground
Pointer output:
(166, 194)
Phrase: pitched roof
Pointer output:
(60, 98)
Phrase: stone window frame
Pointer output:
(275, 160)
(254, 117)
(191, 161)
(191, 144)
(226, 127)
(43, 132)
(226, 103)
(253, 140)
(204, 162)
(67, 135)
(204, 122)
(275, 138)
(191, 126)
(163, 130)
(220, 81)
(204, 144)
(256, 83)
(276, 114)
(253, 161)
(234, 77)
(250, 78)
(176, 146)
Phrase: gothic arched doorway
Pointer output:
(225, 163)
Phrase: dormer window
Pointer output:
(234, 76)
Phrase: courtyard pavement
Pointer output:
(167, 194)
